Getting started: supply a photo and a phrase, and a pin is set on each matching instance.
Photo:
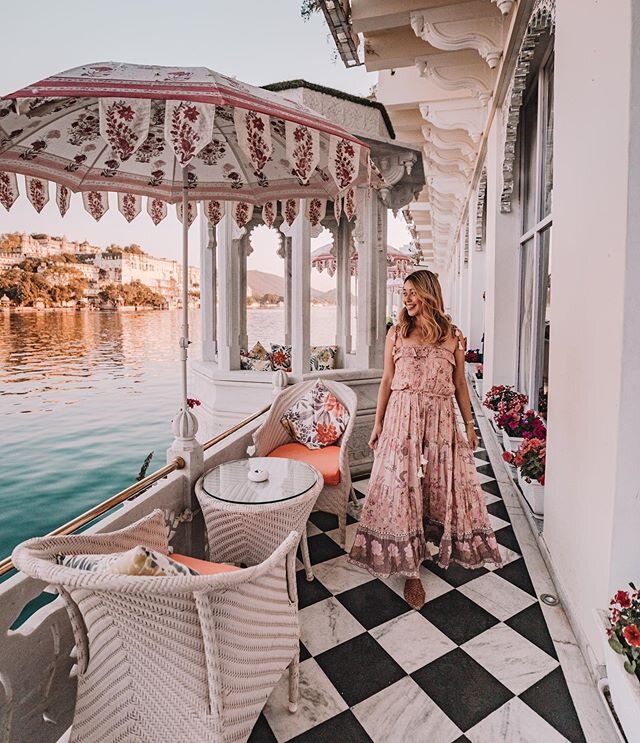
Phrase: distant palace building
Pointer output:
(102, 267)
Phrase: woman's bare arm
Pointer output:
(462, 393)
(384, 390)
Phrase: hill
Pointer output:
(261, 282)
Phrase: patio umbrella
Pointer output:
(176, 135)
(399, 263)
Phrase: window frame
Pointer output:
(539, 86)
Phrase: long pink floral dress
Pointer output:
(424, 486)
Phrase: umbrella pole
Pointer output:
(184, 340)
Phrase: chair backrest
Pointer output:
(172, 651)
(273, 434)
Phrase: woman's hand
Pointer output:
(375, 435)
(472, 436)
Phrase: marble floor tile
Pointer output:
(434, 586)
(508, 556)
(510, 657)
(318, 702)
(412, 641)
(312, 529)
(339, 575)
(362, 486)
(485, 478)
(325, 624)
(403, 712)
(488, 498)
(350, 535)
(497, 596)
(497, 523)
(514, 721)
(343, 728)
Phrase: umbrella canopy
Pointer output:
(142, 130)
(399, 263)
(175, 135)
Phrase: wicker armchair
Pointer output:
(272, 435)
(177, 657)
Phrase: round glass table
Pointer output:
(246, 521)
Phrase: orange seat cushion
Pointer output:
(326, 460)
(204, 567)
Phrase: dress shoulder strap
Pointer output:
(460, 337)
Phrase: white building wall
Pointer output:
(473, 321)
(502, 272)
(592, 509)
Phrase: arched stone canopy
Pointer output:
(358, 223)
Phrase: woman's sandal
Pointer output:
(414, 593)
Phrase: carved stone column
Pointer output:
(300, 293)
(287, 290)
(208, 290)
(371, 249)
(229, 236)
(244, 251)
(343, 247)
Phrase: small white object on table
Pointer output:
(247, 519)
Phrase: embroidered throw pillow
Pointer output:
(281, 357)
(257, 359)
(137, 561)
(317, 419)
(323, 357)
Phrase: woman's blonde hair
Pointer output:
(433, 323)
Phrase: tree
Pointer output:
(134, 249)
(10, 241)
(269, 298)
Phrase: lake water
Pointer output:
(85, 396)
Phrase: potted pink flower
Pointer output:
(503, 398)
(517, 426)
(623, 659)
(530, 461)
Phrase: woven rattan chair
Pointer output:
(172, 658)
(272, 435)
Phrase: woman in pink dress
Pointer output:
(424, 486)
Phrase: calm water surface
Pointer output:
(84, 397)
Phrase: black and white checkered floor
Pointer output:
(477, 663)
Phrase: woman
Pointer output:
(424, 486)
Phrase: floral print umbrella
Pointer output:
(399, 263)
(142, 130)
(175, 136)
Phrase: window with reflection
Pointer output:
(535, 141)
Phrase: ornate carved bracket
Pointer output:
(472, 25)
(477, 79)
(462, 113)
(504, 6)
(542, 19)
(448, 162)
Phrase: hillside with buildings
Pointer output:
(42, 270)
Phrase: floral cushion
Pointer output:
(323, 357)
(281, 357)
(257, 359)
(317, 419)
(137, 561)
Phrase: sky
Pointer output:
(256, 41)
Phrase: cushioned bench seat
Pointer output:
(326, 460)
